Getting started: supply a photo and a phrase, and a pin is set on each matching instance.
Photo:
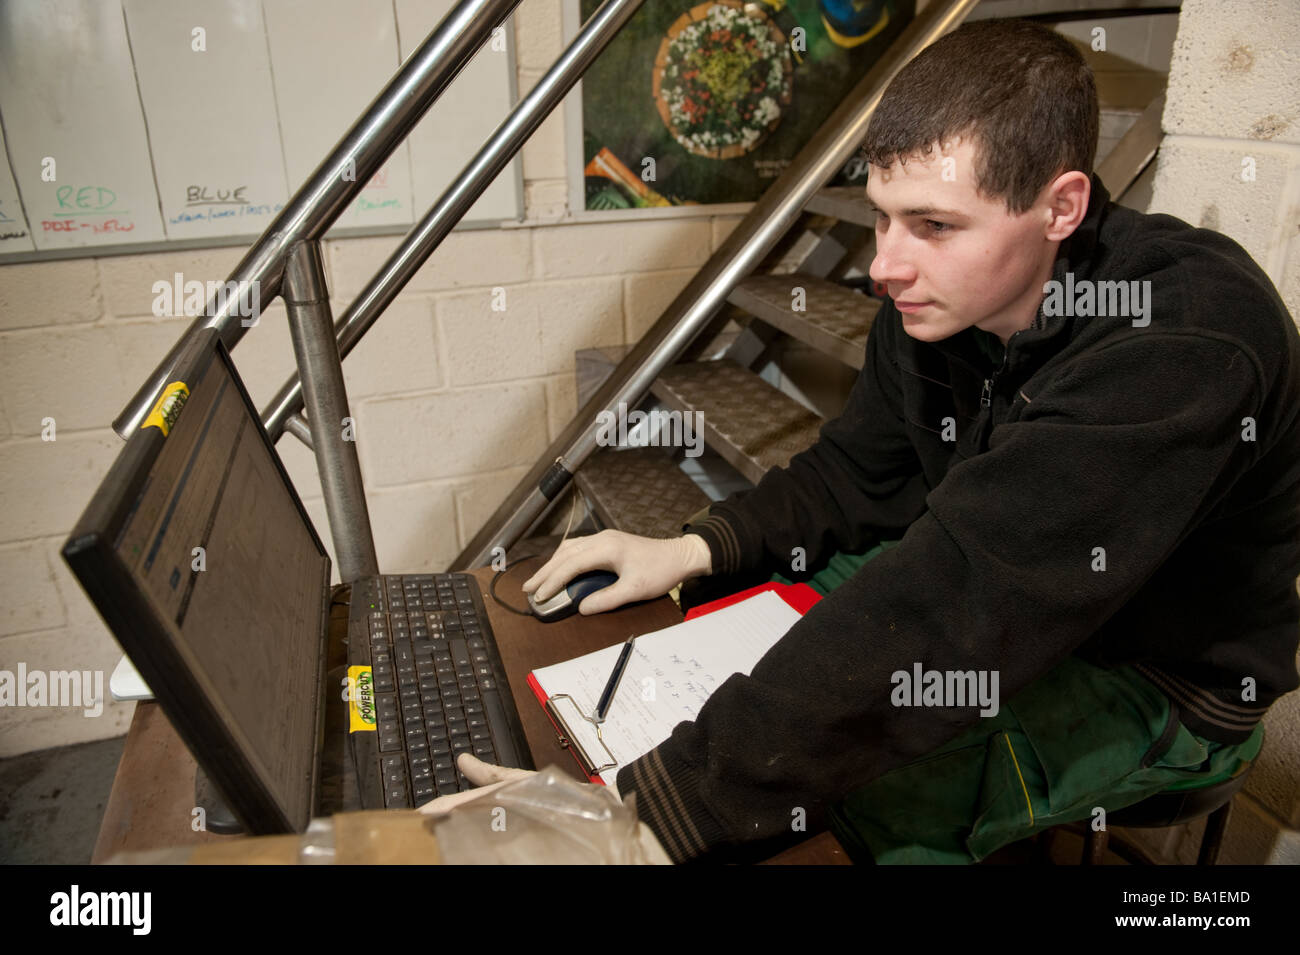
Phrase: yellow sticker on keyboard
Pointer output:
(361, 699)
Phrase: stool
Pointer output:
(1169, 808)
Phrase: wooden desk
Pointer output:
(150, 806)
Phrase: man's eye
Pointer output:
(939, 227)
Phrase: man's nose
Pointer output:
(891, 264)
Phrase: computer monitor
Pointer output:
(198, 554)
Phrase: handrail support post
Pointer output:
(320, 369)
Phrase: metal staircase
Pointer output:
(748, 422)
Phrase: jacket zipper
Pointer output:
(986, 394)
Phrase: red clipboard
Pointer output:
(799, 596)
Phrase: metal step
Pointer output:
(747, 421)
(1136, 148)
(640, 490)
(848, 203)
(836, 321)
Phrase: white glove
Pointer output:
(485, 777)
(646, 567)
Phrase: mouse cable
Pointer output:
(492, 585)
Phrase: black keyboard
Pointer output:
(439, 687)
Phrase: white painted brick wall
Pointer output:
(473, 257)
(646, 296)
(126, 282)
(1200, 181)
(546, 199)
(47, 484)
(477, 499)
(544, 152)
(28, 602)
(466, 431)
(63, 648)
(68, 373)
(1237, 76)
(26, 300)
(561, 403)
(612, 248)
(1234, 85)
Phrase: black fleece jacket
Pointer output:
(1127, 492)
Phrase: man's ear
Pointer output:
(1067, 204)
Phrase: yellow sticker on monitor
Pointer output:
(361, 699)
(168, 407)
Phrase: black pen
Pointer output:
(607, 697)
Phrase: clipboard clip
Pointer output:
(566, 718)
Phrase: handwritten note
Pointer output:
(671, 673)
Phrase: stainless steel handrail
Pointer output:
(837, 140)
(337, 180)
(422, 240)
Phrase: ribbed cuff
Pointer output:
(667, 800)
(724, 544)
(1203, 712)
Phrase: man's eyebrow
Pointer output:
(920, 211)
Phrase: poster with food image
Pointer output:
(698, 103)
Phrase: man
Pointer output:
(1084, 424)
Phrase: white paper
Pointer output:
(669, 676)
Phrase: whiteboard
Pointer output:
(317, 106)
(194, 121)
(456, 127)
(205, 83)
(74, 130)
(15, 234)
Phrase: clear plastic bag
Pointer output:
(546, 818)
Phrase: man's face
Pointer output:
(951, 258)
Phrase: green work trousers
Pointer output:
(1078, 742)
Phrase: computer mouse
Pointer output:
(565, 602)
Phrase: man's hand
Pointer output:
(485, 777)
(646, 567)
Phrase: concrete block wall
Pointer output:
(453, 401)
(1234, 95)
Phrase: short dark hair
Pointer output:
(1019, 90)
